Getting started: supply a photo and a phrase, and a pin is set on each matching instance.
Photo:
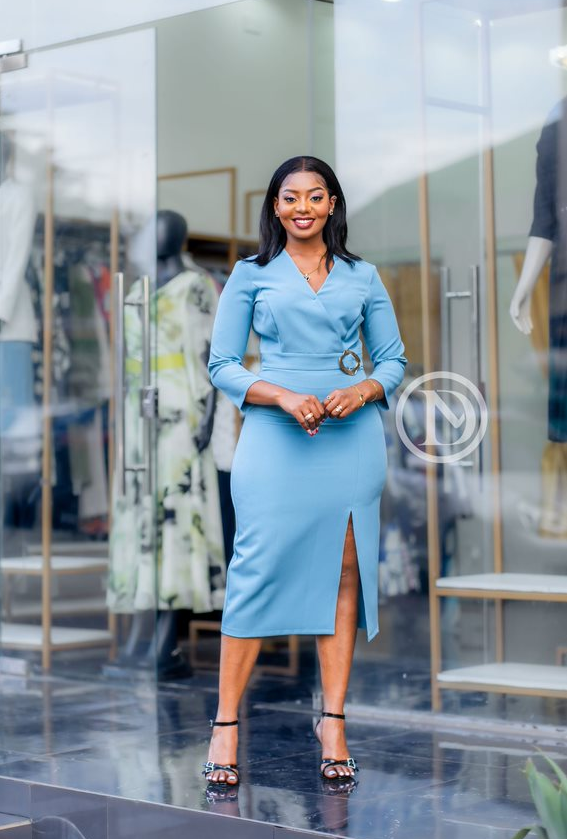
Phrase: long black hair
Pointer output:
(272, 234)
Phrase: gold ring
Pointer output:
(308, 416)
(338, 409)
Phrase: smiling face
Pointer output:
(303, 205)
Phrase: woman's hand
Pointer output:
(344, 401)
(306, 408)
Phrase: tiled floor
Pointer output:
(133, 741)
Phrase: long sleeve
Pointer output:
(544, 222)
(383, 341)
(230, 337)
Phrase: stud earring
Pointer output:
(277, 215)
(331, 212)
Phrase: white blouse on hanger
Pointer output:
(17, 221)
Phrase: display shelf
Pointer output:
(24, 609)
(76, 547)
(507, 677)
(33, 565)
(505, 586)
(19, 636)
(15, 826)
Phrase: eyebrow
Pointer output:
(315, 188)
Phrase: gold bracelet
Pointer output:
(360, 396)
(372, 382)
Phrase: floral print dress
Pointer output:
(166, 551)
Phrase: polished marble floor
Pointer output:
(130, 739)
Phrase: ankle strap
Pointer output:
(214, 722)
(335, 716)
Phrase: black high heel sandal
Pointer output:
(229, 768)
(329, 762)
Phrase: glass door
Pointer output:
(77, 255)
(438, 164)
(498, 586)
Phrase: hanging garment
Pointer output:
(17, 220)
(60, 361)
(20, 417)
(187, 538)
(550, 222)
(399, 574)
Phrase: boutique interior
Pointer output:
(133, 166)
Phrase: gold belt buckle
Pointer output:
(350, 371)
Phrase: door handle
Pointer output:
(119, 384)
(147, 392)
(474, 296)
(447, 297)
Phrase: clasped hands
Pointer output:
(310, 412)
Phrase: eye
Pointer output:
(288, 199)
(316, 197)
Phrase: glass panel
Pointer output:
(467, 108)
(452, 39)
(453, 139)
(214, 166)
(529, 122)
(379, 149)
(57, 21)
(79, 146)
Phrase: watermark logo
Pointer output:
(453, 419)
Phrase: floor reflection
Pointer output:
(135, 741)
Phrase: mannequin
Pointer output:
(191, 569)
(548, 238)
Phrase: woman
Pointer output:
(311, 459)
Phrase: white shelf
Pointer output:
(59, 608)
(76, 547)
(19, 636)
(498, 676)
(33, 565)
(13, 823)
(540, 586)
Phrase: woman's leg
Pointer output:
(238, 656)
(335, 658)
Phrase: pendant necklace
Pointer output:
(307, 274)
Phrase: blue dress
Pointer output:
(293, 493)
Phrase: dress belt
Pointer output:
(348, 361)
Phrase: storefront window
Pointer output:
(140, 159)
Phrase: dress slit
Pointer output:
(361, 610)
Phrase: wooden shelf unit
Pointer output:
(505, 677)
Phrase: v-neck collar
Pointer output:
(304, 281)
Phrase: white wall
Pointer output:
(234, 89)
